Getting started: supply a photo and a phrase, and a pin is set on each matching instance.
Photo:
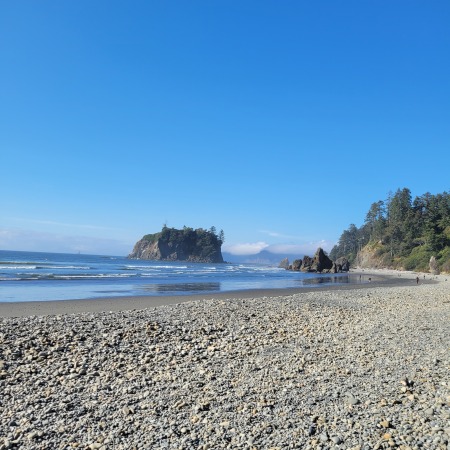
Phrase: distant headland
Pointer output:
(171, 244)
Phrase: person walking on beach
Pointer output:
(417, 280)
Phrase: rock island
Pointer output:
(170, 244)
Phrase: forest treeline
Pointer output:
(401, 232)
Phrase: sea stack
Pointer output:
(187, 244)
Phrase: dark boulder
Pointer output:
(343, 263)
(321, 262)
(307, 264)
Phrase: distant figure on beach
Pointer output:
(417, 280)
(370, 279)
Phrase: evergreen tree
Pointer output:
(406, 231)
(375, 219)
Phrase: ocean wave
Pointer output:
(64, 267)
(136, 267)
(153, 275)
(20, 263)
(56, 277)
(28, 266)
(264, 269)
(89, 276)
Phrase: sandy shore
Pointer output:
(361, 368)
(20, 309)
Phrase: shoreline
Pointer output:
(380, 278)
(351, 367)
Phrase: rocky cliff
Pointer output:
(376, 256)
(372, 257)
(187, 244)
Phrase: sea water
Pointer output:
(32, 276)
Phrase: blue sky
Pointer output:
(278, 122)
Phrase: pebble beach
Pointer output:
(328, 369)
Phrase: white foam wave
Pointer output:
(65, 267)
(29, 267)
(100, 275)
(262, 269)
(134, 267)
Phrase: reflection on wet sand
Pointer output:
(334, 279)
(181, 287)
(190, 288)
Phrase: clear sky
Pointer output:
(279, 122)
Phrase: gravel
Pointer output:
(348, 369)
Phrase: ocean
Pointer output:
(33, 276)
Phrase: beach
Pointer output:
(349, 367)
